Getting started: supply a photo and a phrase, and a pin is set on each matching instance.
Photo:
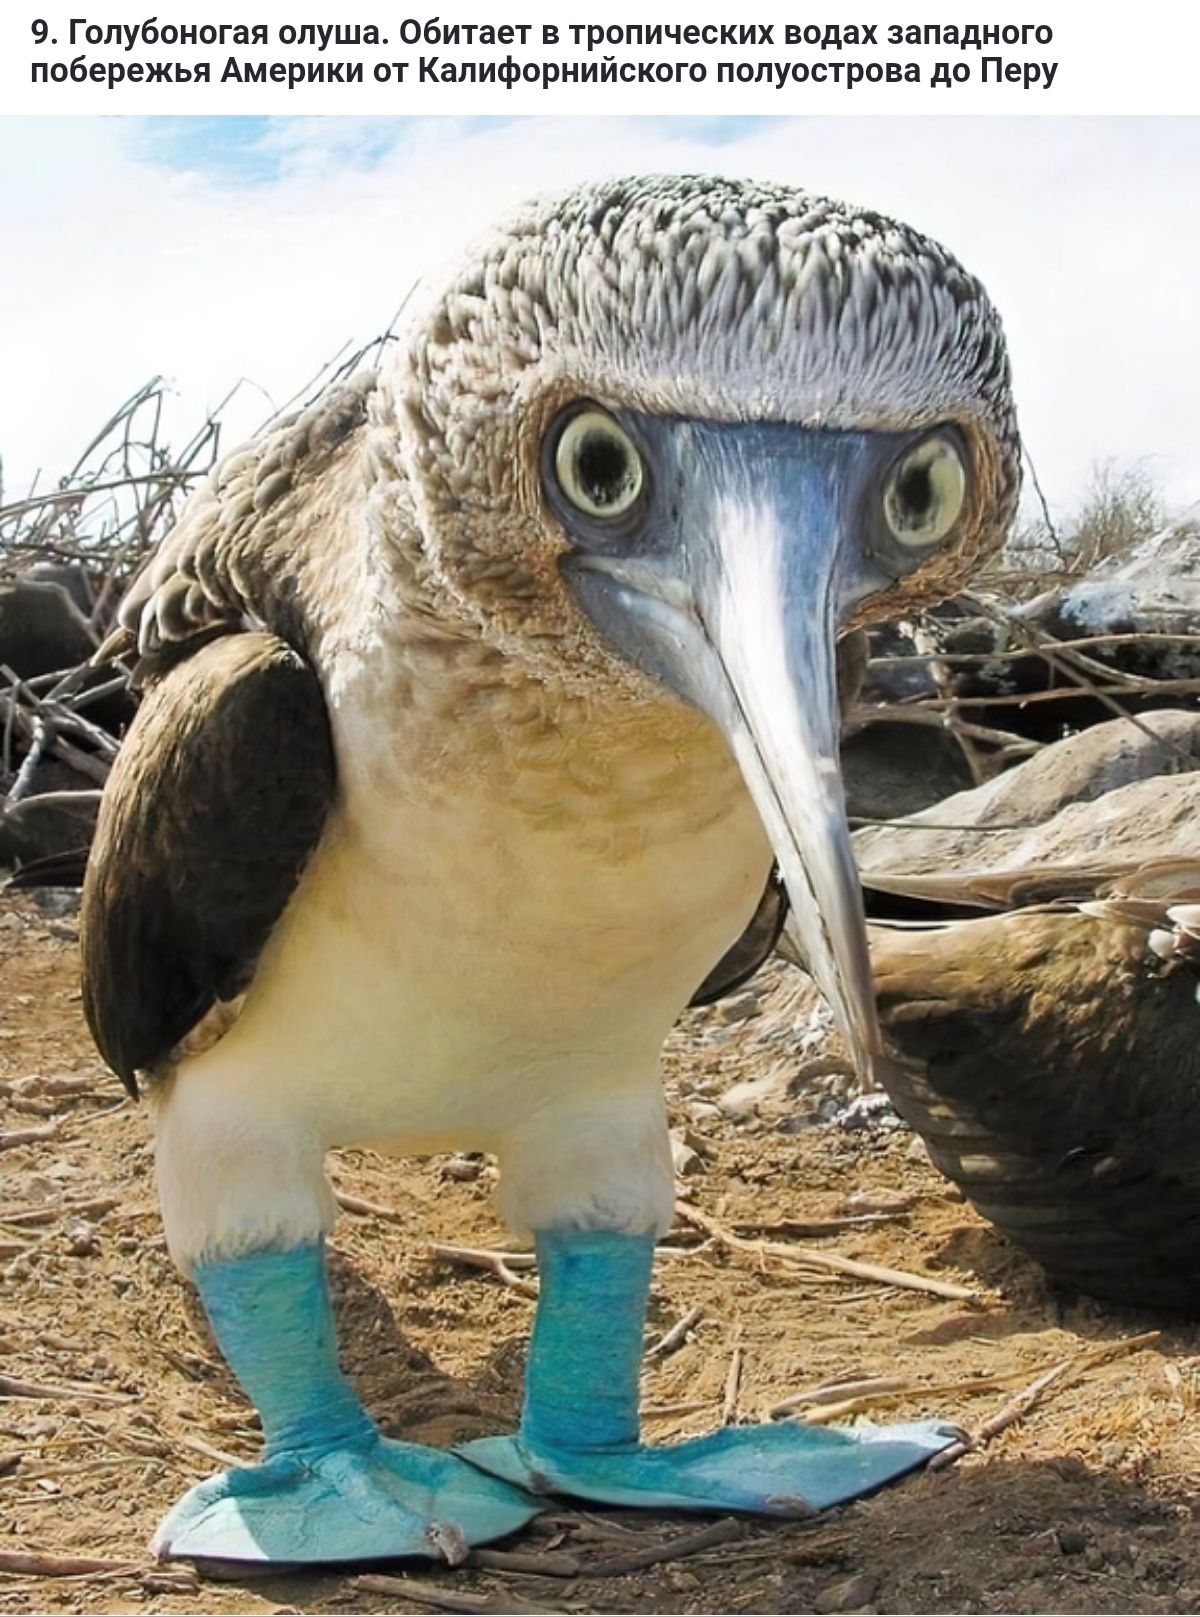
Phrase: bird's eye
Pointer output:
(925, 492)
(598, 466)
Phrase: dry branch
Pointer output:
(17, 1387)
(365, 1209)
(501, 1264)
(33, 1563)
(1060, 1374)
(670, 1340)
(10, 1138)
(448, 1598)
(800, 1257)
(672, 1549)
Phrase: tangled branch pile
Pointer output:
(67, 555)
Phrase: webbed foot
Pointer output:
(354, 1502)
(784, 1469)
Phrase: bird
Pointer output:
(479, 698)
(1046, 1036)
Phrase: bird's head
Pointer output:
(671, 437)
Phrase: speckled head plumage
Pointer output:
(698, 297)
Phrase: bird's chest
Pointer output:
(497, 915)
(569, 855)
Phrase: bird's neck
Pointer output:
(465, 723)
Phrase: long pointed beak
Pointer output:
(739, 612)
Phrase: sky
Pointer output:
(209, 250)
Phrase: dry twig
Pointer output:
(18, 1387)
(442, 1598)
(833, 1262)
(733, 1382)
(501, 1264)
(670, 1340)
(672, 1549)
(1061, 1374)
(38, 1564)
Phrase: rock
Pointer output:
(71, 576)
(58, 903)
(894, 769)
(847, 1594)
(703, 1111)
(1154, 588)
(873, 1110)
(741, 1007)
(1147, 775)
(879, 1201)
(464, 1167)
(744, 1099)
(82, 1240)
(41, 629)
(686, 1160)
(53, 825)
(885, 679)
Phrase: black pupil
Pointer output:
(602, 466)
(914, 492)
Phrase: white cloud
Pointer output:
(119, 264)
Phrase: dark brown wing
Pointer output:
(737, 965)
(1051, 1064)
(216, 799)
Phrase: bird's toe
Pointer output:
(784, 1469)
(384, 1500)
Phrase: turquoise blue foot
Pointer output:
(329, 1487)
(361, 1503)
(780, 1470)
(579, 1424)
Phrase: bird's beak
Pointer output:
(748, 570)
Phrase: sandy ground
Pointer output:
(114, 1398)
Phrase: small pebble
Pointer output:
(1072, 1540)
(847, 1594)
(170, 1583)
(685, 1160)
(464, 1167)
(879, 1201)
(740, 1008)
(82, 1241)
(703, 1111)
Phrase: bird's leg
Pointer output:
(329, 1487)
(579, 1427)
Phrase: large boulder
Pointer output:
(41, 628)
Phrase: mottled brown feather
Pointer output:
(1051, 1061)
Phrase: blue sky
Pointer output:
(258, 151)
(211, 249)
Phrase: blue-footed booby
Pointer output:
(480, 698)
